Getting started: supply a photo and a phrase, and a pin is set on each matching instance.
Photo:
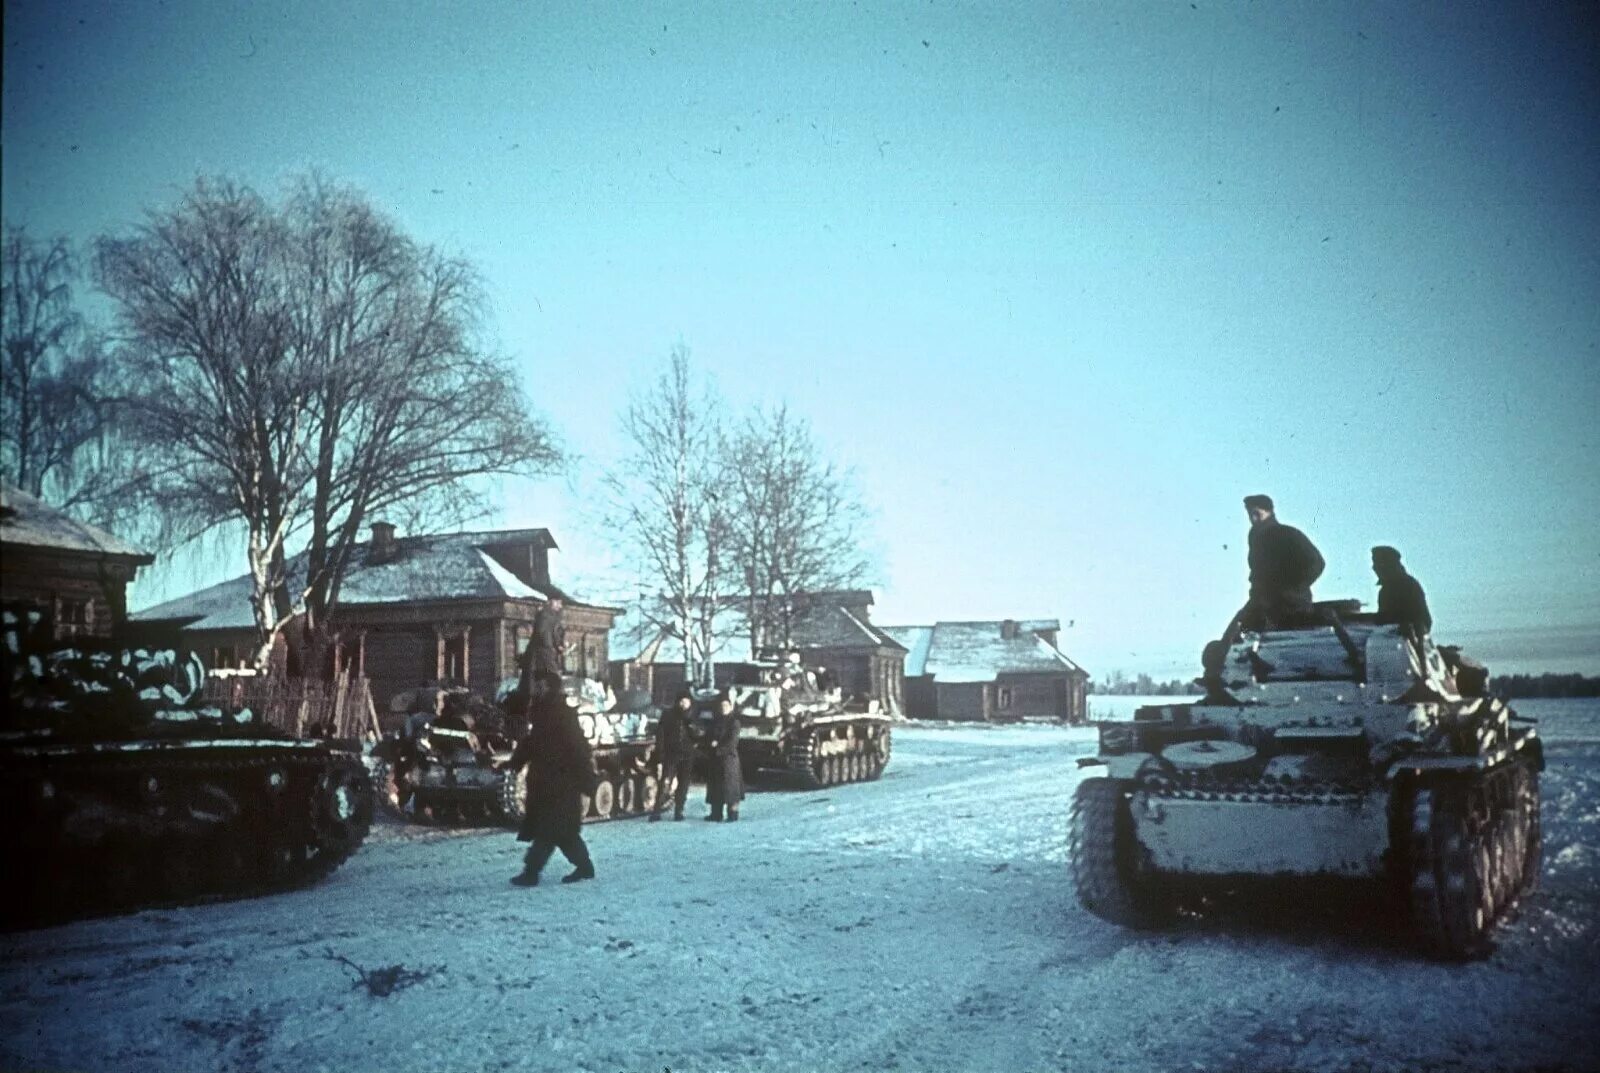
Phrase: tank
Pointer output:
(1346, 749)
(789, 725)
(449, 767)
(124, 790)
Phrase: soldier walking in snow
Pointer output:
(560, 773)
(675, 742)
(724, 779)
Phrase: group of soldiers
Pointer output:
(562, 774)
(1284, 564)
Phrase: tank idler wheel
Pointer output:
(626, 798)
(649, 792)
(1106, 858)
(341, 810)
(605, 799)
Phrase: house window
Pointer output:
(524, 635)
(73, 617)
(453, 657)
(1003, 697)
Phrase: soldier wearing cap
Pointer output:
(1283, 565)
(1400, 596)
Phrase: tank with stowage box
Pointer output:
(789, 724)
(449, 767)
(122, 789)
(1346, 749)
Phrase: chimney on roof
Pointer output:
(383, 543)
(1008, 630)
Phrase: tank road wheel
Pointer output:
(649, 790)
(626, 799)
(800, 755)
(1451, 906)
(514, 794)
(605, 800)
(1105, 858)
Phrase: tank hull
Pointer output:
(108, 827)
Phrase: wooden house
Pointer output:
(416, 610)
(76, 574)
(1004, 671)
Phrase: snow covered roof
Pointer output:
(26, 521)
(916, 641)
(981, 651)
(420, 569)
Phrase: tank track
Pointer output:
(1104, 856)
(862, 760)
(1473, 848)
(107, 829)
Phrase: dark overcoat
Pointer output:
(1401, 600)
(724, 778)
(676, 735)
(1283, 564)
(560, 772)
(545, 646)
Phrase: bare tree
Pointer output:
(55, 392)
(664, 508)
(304, 369)
(408, 406)
(796, 524)
(219, 404)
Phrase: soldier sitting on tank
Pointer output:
(675, 745)
(1400, 597)
(1283, 565)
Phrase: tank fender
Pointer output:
(1127, 765)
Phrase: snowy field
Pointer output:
(921, 922)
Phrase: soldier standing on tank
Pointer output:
(675, 747)
(1400, 596)
(544, 656)
(561, 772)
(724, 778)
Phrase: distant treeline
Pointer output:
(1120, 685)
(1546, 685)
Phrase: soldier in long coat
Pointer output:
(675, 750)
(724, 778)
(560, 773)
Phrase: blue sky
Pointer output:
(1063, 282)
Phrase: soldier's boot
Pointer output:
(677, 813)
(716, 814)
(580, 873)
(655, 815)
(733, 813)
(525, 878)
(532, 864)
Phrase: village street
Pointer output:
(925, 921)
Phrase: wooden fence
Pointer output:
(304, 707)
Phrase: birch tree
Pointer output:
(663, 507)
(302, 369)
(797, 526)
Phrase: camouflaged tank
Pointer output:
(449, 768)
(788, 724)
(121, 789)
(1349, 749)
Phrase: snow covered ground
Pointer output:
(925, 921)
